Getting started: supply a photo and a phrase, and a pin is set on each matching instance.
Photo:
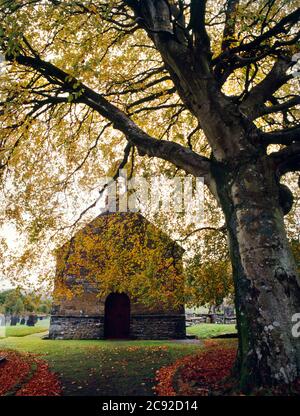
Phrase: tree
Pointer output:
(17, 302)
(208, 272)
(4, 295)
(223, 67)
(19, 307)
(11, 301)
(45, 306)
(31, 302)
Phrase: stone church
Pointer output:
(102, 279)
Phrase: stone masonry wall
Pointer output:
(157, 326)
(141, 327)
(76, 327)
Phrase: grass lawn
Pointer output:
(106, 367)
(103, 367)
(23, 330)
(211, 330)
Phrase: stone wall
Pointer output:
(141, 327)
(157, 326)
(76, 327)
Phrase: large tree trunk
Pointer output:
(267, 289)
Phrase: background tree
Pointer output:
(45, 307)
(205, 86)
(17, 302)
(208, 273)
(4, 294)
(19, 307)
(11, 302)
(30, 303)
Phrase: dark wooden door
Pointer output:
(117, 316)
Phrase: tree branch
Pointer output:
(180, 156)
(287, 136)
(252, 105)
(287, 159)
(207, 228)
(291, 18)
(229, 28)
(197, 24)
(280, 107)
(260, 47)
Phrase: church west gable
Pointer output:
(119, 253)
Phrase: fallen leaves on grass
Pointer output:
(12, 371)
(199, 374)
(43, 382)
(205, 373)
(27, 376)
(165, 376)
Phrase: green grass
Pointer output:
(103, 367)
(23, 330)
(211, 330)
(106, 367)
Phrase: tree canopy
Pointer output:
(83, 80)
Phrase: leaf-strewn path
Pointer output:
(26, 375)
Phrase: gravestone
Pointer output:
(14, 321)
(31, 320)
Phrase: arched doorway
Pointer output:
(117, 316)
